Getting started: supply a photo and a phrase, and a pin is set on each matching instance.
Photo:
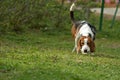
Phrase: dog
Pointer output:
(83, 33)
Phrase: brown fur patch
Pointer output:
(73, 31)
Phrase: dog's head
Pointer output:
(86, 44)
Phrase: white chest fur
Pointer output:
(85, 30)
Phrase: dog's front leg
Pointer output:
(76, 41)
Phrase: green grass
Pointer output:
(37, 55)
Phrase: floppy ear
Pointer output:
(92, 47)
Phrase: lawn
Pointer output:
(37, 55)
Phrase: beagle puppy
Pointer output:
(83, 33)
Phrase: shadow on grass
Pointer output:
(106, 56)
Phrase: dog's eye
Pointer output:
(82, 43)
(87, 42)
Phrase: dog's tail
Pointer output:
(72, 13)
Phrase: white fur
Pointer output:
(85, 30)
(72, 7)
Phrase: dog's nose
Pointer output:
(85, 51)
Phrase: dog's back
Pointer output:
(78, 24)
